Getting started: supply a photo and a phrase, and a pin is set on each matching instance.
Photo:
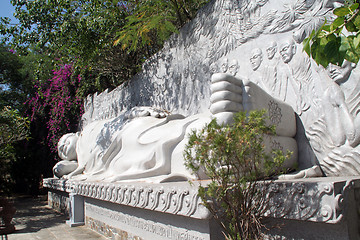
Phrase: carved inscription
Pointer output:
(163, 230)
(274, 113)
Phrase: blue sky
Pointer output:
(6, 9)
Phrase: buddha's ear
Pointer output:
(77, 134)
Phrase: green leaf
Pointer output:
(342, 11)
(356, 21)
(337, 23)
(331, 51)
(352, 53)
(354, 6)
(323, 42)
(345, 45)
(352, 56)
(317, 52)
(350, 26)
(326, 28)
(357, 40)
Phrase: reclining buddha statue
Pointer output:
(147, 144)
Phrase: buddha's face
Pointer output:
(67, 146)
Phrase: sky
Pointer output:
(6, 9)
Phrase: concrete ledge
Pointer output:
(173, 210)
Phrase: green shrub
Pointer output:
(13, 128)
(235, 160)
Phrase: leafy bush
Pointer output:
(13, 128)
(330, 43)
(235, 160)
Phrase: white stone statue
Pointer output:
(147, 144)
(67, 152)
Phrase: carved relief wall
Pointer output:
(258, 40)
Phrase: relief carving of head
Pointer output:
(271, 50)
(256, 58)
(224, 65)
(67, 146)
(287, 51)
(233, 67)
(214, 68)
(340, 74)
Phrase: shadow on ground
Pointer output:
(34, 220)
(32, 215)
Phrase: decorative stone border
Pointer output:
(318, 200)
(174, 198)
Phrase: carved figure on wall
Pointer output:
(233, 67)
(271, 50)
(258, 74)
(224, 65)
(335, 136)
(148, 144)
(297, 71)
(287, 50)
(256, 58)
(271, 69)
(341, 124)
(214, 68)
(338, 128)
(349, 84)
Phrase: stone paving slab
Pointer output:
(34, 220)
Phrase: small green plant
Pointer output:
(235, 160)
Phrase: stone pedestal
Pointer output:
(76, 210)
(319, 208)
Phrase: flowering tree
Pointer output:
(57, 100)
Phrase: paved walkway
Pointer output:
(34, 220)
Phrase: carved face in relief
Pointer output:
(233, 67)
(67, 146)
(287, 51)
(214, 68)
(271, 50)
(256, 58)
(224, 65)
(340, 74)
